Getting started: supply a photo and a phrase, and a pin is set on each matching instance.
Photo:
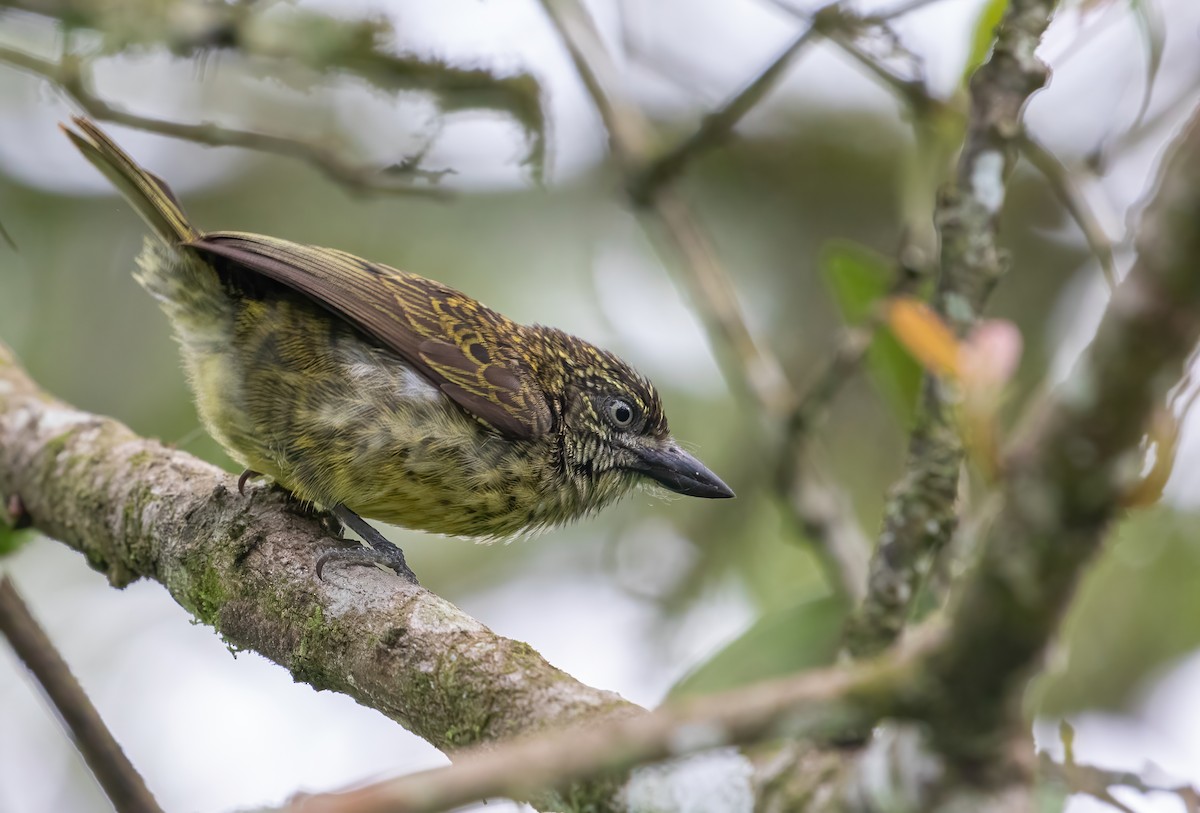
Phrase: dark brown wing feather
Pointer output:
(462, 346)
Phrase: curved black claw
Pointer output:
(246, 475)
(382, 550)
(392, 559)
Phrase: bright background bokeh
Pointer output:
(639, 597)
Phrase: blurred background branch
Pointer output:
(1059, 505)
(70, 74)
(749, 362)
(820, 704)
(108, 763)
(291, 39)
(921, 515)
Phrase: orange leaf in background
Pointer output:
(988, 360)
(924, 335)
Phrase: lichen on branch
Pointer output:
(921, 515)
(245, 566)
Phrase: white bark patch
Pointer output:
(712, 782)
(987, 180)
(59, 420)
(435, 617)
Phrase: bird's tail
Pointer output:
(148, 194)
(187, 287)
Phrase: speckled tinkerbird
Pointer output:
(375, 393)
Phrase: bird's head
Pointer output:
(613, 427)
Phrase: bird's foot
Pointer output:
(355, 554)
(382, 551)
(295, 505)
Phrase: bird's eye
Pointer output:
(620, 412)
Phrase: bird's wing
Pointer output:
(468, 350)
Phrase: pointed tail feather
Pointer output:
(148, 194)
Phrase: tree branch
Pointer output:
(717, 126)
(245, 566)
(113, 771)
(71, 76)
(920, 516)
(1067, 477)
(293, 38)
(813, 704)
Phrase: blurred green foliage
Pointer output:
(983, 35)
(11, 540)
(779, 643)
(859, 279)
(1136, 613)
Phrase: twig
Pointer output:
(825, 515)
(628, 131)
(811, 704)
(1063, 184)
(71, 77)
(822, 509)
(924, 104)
(296, 37)
(830, 21)
(313, 43)
(899, 10)
(120, 780)
(1099, 158)
(716, 126)
(1097, 781)
(920, 516)
(753, 365)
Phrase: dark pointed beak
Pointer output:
(681, 472)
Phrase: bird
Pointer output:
(374, 393)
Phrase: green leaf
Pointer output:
(1134, 614)
(858, 278)
(1154, 36)
(1050, 796)
(984, 35)
(12, 540)
(780, 643)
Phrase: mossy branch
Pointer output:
(921, 514)
(1068, 477)
(245, 566)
